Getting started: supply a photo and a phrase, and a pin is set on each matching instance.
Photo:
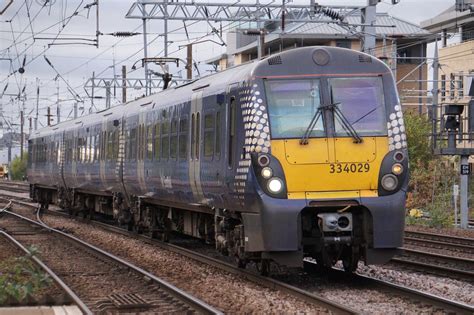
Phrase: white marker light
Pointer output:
(275, 185)
(266, 172)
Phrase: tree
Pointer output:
(418, 129)
(18, 168)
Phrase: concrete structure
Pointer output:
(394, 38)
(454, 129)
(456, 59)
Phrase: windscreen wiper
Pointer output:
(345, 123)
(365, 115)
(314, 120)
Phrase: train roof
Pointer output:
(344, 59)
(212, 83)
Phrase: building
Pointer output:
(455, 27)
(456, 55)
(402, 44)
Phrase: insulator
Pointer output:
(333, 14)
(123, 34)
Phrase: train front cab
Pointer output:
(338, 149)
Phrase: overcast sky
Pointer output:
(77, 62)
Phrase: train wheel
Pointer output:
(165, 237)
(241, 263)
(264, 267)
(350, 259)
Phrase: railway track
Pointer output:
(14, 186)
(439, 241)
(454, 261)
(427, 299)
(260, 280)
(85, 270)
(452, 266)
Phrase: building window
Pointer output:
(443, 87)
(460, 85)
(343, 43)
(452, 86)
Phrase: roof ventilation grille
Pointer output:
(363, 58)
(274, 61)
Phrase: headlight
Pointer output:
(275, 185)
(266, 172)
(263, 160)
(389, 182)
(399, 156)
(397, 169)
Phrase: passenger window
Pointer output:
(110, 145)
(116, 140)
(133, 143)
(97, 148)
(193, 134)
(198, 133)
(174, 139)
(149, 143)
(157, 141)
(165, 140)
(183, 138)
(231, 131)
(208, 135)
(218, 135)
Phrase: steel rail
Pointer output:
(195, 303)
(433, 267)
(452, 239)
(260, 280)
(275, 284)
(46, 269)
(454, 306)
(76, 299)
(435, 243)
(457, 307)
(435, 255)
(270, 283)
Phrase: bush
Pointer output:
(18, 168)
(418, 130)
(431, 177)
(20, 278)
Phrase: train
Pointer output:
(300, 155)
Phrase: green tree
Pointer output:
(18, 168)
(418, 129)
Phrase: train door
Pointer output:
(195, 151)
(231, 135)
(61, 155)
(141, 131)
(103, 147)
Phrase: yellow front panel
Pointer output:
(304, 154)
(357, 170)
(347, 151)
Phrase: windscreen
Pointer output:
(361, 101)
(292, 104)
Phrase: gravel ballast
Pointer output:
(218, 288)
(232, 294)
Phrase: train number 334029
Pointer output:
(349, 168)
